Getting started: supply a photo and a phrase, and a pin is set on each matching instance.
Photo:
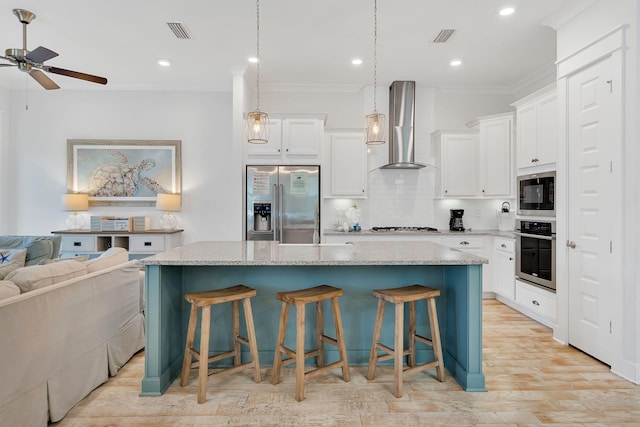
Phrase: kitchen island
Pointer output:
(270, 267)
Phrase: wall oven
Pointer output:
(536, 252)
(536, 194)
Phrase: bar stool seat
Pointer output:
(400, 296)
(205, 300)
(299, 299)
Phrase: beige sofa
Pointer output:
(59, 341)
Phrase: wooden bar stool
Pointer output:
(399, 296)
(299, 299)
(205, 300)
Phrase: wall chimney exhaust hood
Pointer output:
(402, 96)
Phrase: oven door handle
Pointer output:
(535, 236)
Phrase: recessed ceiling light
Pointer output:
(455, 62)
(164, 62)
(506, 11)
(253, 60)
(356, 61)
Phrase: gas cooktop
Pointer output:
(409, 229)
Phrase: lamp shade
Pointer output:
(75, 202)
(168, 202)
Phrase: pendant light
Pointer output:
(375, 123)
(257, 122)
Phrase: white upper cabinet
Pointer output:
(537, 129)
(496, 169)
(348, 165)
(476, 163)
(291, 141)
(456, 155)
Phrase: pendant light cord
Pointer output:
(375, 55)
(258, 55)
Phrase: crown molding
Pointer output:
(567, 13)
(311, 88)
(478, 90)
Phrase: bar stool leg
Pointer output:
(251, 335)
(377, 330)
(300, 313)
(320, 333)
(412, 334)
(342, 348)
(398, 353)
(237, 358)
(282, 329)
(203, 369)
(191, 333)
(435, 338)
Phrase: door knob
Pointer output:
(571, 244)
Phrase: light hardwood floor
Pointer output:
(531, 380)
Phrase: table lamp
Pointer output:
(168, 203)
(75, 202)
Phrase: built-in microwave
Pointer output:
(536, 194)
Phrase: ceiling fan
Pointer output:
(32, 62)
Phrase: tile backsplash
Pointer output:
(406, 198)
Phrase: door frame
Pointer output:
(610, 46)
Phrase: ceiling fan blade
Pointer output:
(77, 75)
(40, 54)
(43, 79)
(7, 65)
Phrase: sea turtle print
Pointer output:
(122, 179)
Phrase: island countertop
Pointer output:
(272, 253)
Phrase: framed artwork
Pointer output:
(123, 172)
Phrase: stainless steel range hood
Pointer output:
(402, 96)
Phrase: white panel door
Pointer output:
(497, 167)
(459, 165)
(592, 106)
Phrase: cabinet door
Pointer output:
(547, 115)
(273, 147)
(301, 137)
(348, 165)
(504, 273)
(459, 165)
(527, 135)
(497, 167)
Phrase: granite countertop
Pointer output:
(273, 253)
(439, 233)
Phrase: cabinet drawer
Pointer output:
(146, 244)
(78, 244)
(464, 242)
(506, 245)
(537, 300)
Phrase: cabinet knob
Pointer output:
(510, 258)
(278, 150)
(503, 246)
(483, 190)
(464, 242)
(446, 191)
(533, 160)
(363, 190)
(534, 302)
(287, 150)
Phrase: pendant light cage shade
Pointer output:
(376, 128)
(257, 127)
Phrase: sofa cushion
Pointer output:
(39, 276)
(8, 267)
(8, 289)
(8, 255)
(79, 258)
(109, 258)
(38, 247)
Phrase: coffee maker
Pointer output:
(455, 223)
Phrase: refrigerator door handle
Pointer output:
(280, 210)
(274, 212)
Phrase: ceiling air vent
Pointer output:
(179, 30)
(443, 36)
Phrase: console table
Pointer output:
(140, 244)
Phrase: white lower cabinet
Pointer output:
(504, 267)
(536, 303)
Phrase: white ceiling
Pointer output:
(303, 42)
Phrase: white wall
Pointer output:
(4, 147)
(211, 183)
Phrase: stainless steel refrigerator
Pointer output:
(283, 203)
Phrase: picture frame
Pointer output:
(123, 172)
